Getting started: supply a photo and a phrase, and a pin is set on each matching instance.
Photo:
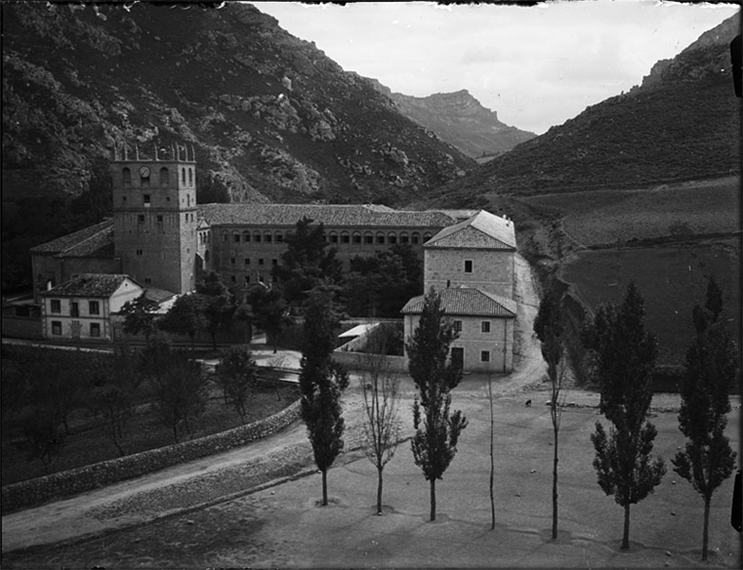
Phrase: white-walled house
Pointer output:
(484, 321)
(81, 308)
(471, 266)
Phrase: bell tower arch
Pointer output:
(155, 216)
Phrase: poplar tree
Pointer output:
(624, 359)
(437, 429)
(321, 382)
(711, 368)
(549, 326)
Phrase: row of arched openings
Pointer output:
(333, 237)
(164, 176)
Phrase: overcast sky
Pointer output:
(536, 66)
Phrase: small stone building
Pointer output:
(471, 266)
(81, 308)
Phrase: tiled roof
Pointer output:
(89, 285)
(90, 239)
(331, 215)
(457, 214)
(482, 231)
(466, 301)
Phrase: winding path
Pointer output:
(277, 458)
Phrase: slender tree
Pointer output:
(549, 326)
(624, 358)
(712, 366)
(322, 382)
(381, 404)
(217, 304)
(492, 452)
(237, 374)
(437, 428)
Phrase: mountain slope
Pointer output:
(269, 115)
(461, 120)
(683, 123)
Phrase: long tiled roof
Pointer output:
(89, 285)
(97, 239)
(328, 214)
(467, 301)
(482, 231)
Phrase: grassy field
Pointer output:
(605, 217)
(88, 442)
(671, 279)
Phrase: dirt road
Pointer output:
(282, 456)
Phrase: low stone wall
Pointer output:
(43, 489)
(360, 361)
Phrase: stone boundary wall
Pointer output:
(359, 361)
(33, 492)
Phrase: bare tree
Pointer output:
(380, 389)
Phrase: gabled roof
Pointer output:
(93, 241)
(482, 231)
(466, 301)
(328, 214)
(99, 285)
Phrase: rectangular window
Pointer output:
(148, 280)
(236, 238)
(457, 326)
(233, 279)
(139, 252)
(468, 266)
(485, 356)
(486, 326)
(94, 308)
(345, 238)
(279, 238)
(357, 239)
(247, 261)
(268, 238)
(56, 306)
(140, 218)
(95, 329)
(159, 219)
(274, 262)
(260, 261)
(75, 309)
(232, 261)
(146, 199)
(56, 327)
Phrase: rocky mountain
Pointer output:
(461, 120)
(683, 123)
(269, 115)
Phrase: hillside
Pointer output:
(461, 120)
(683, 123)
(271, 118)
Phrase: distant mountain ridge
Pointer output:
(461, 120)
(683, 123)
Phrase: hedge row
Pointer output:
(43, 489)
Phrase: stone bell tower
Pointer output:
(155, 216)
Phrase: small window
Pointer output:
(404, 238)
(333, 237)
(247, 261)
(56, 306)
(159, 219)
(274, 262)
(457, 326)
(164, 176)
(468, 266)
(357, 238)
(139, 251)
(391, 239)
(225, 236)
(126, 177)
(247, 279)
(148, 280)
(183, 176)
(485, 356)
(380, 239)
(57, 327)
(233, 279)
(140, 218)
(279, 237)
(232, 261)
(246, 237)
(368, 239)
(257, 237)
(415, 238)
(345, 238)
(95, 329)
(268, 237)
(236, 237)
(75, 309)
(94, 308)
(260, 261)
(123, 199)
(190, 176)
(486, 326)
(426, 237)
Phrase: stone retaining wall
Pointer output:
(43, 489)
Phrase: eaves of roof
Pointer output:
(467, 301)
